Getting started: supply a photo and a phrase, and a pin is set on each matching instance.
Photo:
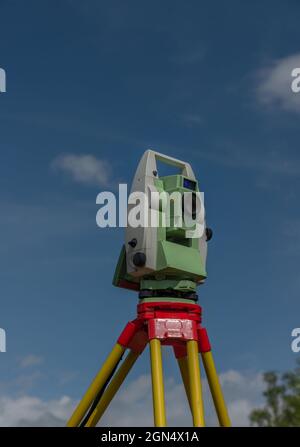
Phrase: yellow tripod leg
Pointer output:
(112, 389)
(96, 385)
(215, 389)
(183, 366)
(195, 383)
(157, 384)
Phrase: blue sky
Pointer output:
(207, 83)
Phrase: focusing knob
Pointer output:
(139, 259)
(209, 234)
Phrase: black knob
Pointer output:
(209, 234)
(133, 242)
(139, 259)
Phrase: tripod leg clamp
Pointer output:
(203, 340)
(134, 336)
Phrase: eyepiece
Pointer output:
(139, 259)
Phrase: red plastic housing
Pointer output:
(170, 322)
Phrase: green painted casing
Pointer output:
(179, 264)
(182, 257)
(121, 272)
(157, 283)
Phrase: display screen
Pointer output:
(189, 184)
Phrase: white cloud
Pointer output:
(84, 168)
(133, 404)
(30, 360)
(243, 392)
(193, 120)
(275, 81)
(187, 55)
(268, 164)
(30, 411)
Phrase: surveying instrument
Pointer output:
(164, 263)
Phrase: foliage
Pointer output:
(282, 395)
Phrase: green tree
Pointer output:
(282, 395)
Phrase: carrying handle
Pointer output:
(149, 166)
